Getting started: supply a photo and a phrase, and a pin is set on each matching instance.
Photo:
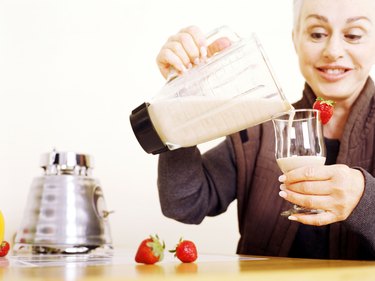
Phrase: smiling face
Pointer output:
(335, 44)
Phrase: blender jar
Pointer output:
(235, 89)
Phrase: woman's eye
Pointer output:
(317, 32)
(317, 35)
(353, 37)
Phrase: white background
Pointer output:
(71, 71)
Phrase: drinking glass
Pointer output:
(299, 142)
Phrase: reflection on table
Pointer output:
(121, 266)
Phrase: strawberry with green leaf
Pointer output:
(150, 251)
(185, 251)
(325, 107)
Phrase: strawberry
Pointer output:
(150, 251)
(185, 251)
(4, 248)
(325, 107)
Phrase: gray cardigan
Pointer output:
(243, 167)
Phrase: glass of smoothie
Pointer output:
(299, 142)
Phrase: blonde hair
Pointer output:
(297, 7)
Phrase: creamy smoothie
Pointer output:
(188, 121)
(290, 163)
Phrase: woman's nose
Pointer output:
(334, 48)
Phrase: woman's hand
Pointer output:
(185, 49)
(335, 189)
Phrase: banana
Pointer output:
(2, 227)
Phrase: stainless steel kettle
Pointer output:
(65, 211)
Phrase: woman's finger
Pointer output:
(188, 43)
(309, 187)
(312, 173)
(199, 38)
(177, 48)
(308, 201)
(168, 58)
(320, 219)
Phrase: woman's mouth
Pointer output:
(333, 74)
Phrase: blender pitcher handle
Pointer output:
(220, 32)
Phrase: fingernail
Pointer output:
(190, 66)
(292, 218)
(282, 178)
(282, 194)
(282, 187)
(196, 61)
(203, 52)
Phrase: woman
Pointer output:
(335, 44)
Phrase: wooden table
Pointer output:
(270, 268)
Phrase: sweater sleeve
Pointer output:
(192, 186)
(362, 219)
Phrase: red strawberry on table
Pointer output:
(325, 107)
(4, 248)
(185, 251)
(150, 251)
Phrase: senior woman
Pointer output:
(335, 44)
